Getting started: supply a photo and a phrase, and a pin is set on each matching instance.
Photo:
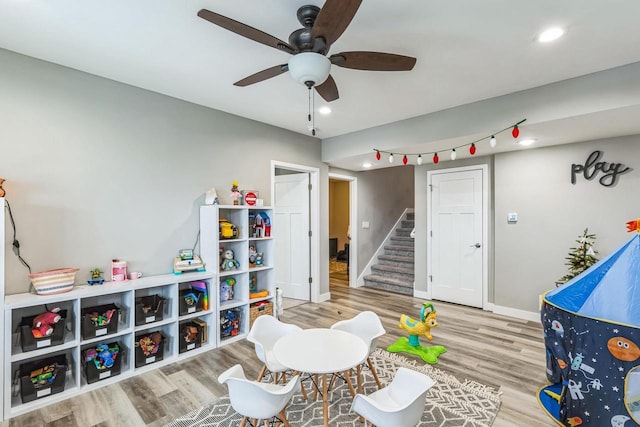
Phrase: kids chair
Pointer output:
(368, 327)
(259, 401)
(400, 404)
(264, 333)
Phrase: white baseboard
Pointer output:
(420, 294)
(324, 297)
(532, 316)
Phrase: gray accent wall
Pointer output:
(383, 195)
(552, 213)
(98, 170)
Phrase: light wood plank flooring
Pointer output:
(505, 353)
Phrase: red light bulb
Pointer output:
(377, 155)
(472, 149)
(404, 159)
(436, 159)
(515, 132)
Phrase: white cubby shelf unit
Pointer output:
(212, 247)
(128, 296)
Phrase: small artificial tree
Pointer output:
(581, 257)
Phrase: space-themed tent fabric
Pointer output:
(591, 328)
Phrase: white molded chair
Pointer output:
(368, 327)
(400, 404)
(256, 400)
(264, 333)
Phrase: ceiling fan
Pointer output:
(309, 46)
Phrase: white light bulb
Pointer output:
(419, 161)
(492, 141)
(391, 158)
(453, 154)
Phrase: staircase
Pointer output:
(394, 271)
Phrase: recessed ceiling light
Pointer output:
(550, 35)
(526, 142)
(324, 110)
(366, 165)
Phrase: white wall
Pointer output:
(98, 170)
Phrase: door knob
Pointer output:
(477, 245)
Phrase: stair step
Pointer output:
(410, 216)
(393, 271)
(402, 240)
(403, 232)
(401, 261)
(388, 284)
(407, 224)
(399, 250)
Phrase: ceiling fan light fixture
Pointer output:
(309, 67)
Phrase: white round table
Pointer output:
(322, 351)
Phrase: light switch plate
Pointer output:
(512, 217)
(365, 224)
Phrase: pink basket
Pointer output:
(53, 281)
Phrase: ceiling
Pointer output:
(466, 51)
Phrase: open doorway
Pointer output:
(343, 239)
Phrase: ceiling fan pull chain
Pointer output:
(313, 112)
(311, 117)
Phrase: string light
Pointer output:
(515, 132)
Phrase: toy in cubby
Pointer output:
(226, 289)
(229, 323)
(199, 285)
(228, 260)
(149, 348)
(262, 225)
(102, 361)
(253, 254)
(44, 323)
(254, 292)
(42, 377)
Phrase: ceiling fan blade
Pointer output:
(328, 90)
(334, 17)
(245, 30)
(373, 61)
(262, 75)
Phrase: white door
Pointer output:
(456, 248)
(292, 225)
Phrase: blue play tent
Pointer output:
(591, 329)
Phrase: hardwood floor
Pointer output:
(505, 353)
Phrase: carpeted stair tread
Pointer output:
(402, 240)
(389, 280)
(393, 271)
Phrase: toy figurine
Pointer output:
(226, 289)
(235, 193)
(229, 261)
(252, 256)
(259, 258)
(96, 277)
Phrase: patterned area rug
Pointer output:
(450, 403)
(336, 266)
